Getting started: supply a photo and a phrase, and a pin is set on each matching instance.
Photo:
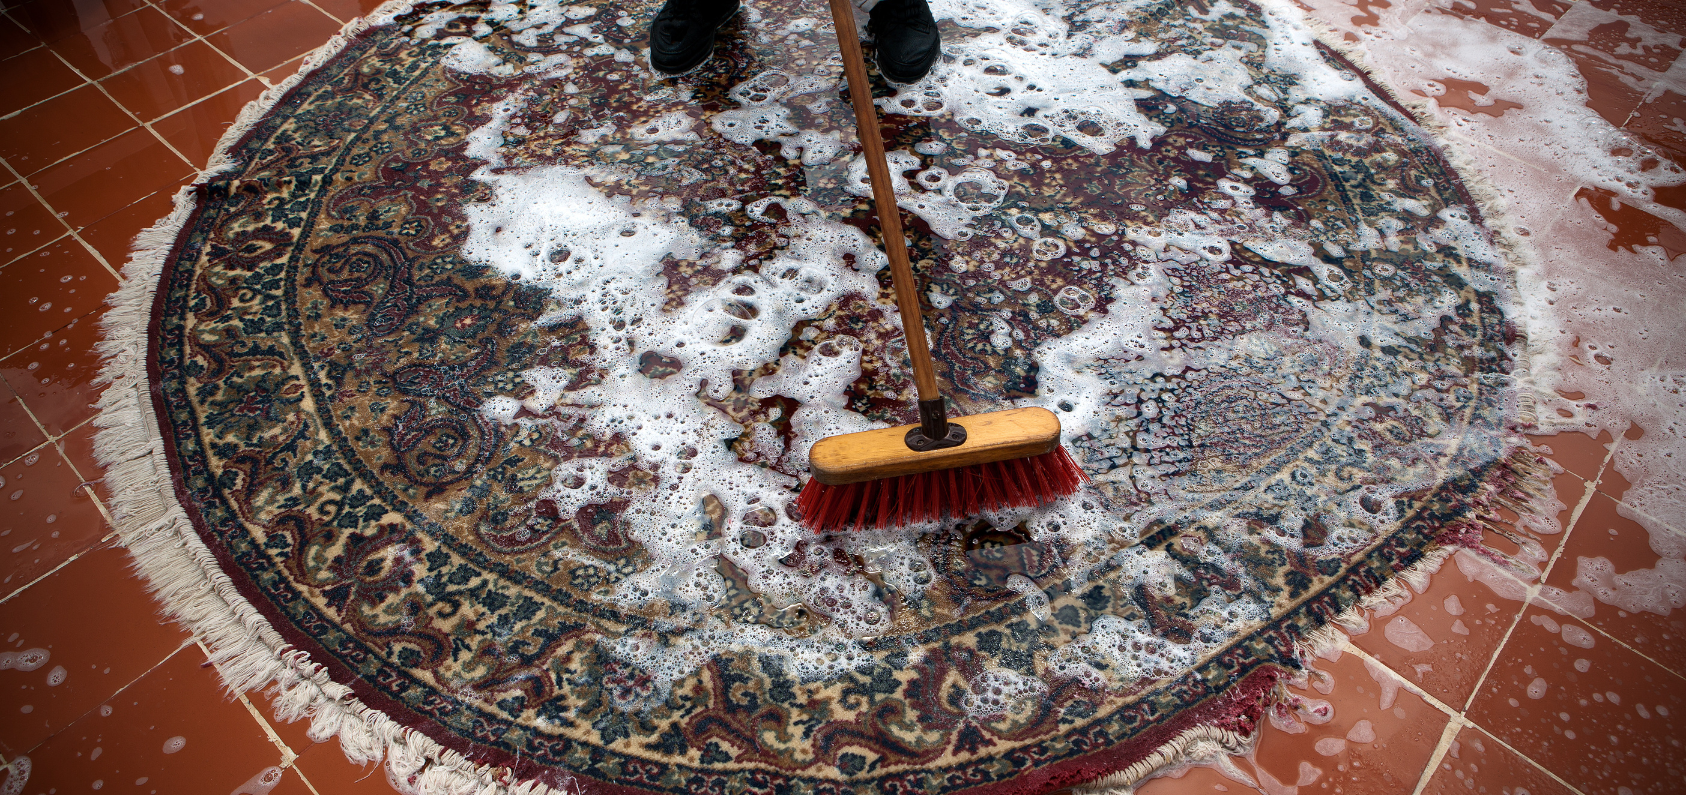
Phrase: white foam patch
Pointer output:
(1025, 75)
(1621, 306)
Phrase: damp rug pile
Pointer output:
(464, 399)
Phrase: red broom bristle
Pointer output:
(930, 496)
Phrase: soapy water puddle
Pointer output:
(1266, 314)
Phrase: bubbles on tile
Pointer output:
(174, 744)
(262, 783)
(26, 660)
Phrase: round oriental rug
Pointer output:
(482, 365)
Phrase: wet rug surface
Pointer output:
(488, 370)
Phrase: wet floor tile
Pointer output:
(174, 730)
(1356, 729)
(33, 76)
(173, 80)
(115, 638)
(47, 290)
(1664, 15)
(1477, 764)
(78, 448)
(1623, 40)
(195, 130)
(55, 377)
(1596, 714)
(18, 434)
(1661, 121)
(1578, 453)
(274, 36)
(205, 17)
(113, 236)
(1528, 17)
(1611, 91)
(347, 10)
(110, 176)
(14, 40)
(25, 224)
(60, 127)
(328, 770)
(1634, 577)
(1444, 637)
(121, 43)
(54, 19)
(45, 516)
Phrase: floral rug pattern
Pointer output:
(1267, 309)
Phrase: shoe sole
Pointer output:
(923, 73)
(707, 53)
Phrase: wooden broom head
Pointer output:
(883, 453)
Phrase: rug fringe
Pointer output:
(250, 655)
(180, 570)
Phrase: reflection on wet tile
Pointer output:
(52, 20)
(1528, 17)
(55, 377)
(31, 77)
(60, 127)
(1477, 763)
(274, 36)
(1628, 571)
(45, 516)
(1594, 713)
(104, 179)
(18, 434)
(116, 636)
(195, 130)
(171, 731)
(46, 290)
(121, 43)
(172, 80)
(209, 16)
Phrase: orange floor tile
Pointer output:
(108, 106)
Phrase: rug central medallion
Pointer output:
(489, 368)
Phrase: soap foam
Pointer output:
(601, 258)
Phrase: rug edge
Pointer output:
(250, 655)
(179, 570)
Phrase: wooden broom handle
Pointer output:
(884, 197)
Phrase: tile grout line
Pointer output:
(100, 87)
(1590, 489)
(119, 691)
(288, 756)
(70, 230)
(1459, 719)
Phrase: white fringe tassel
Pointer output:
(177, 566)
(250, 655)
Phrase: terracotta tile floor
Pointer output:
(107, 107)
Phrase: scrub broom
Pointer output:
(891, 477)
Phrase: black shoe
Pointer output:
(907, 41)
(682, 34)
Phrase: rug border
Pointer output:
(192, 588)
